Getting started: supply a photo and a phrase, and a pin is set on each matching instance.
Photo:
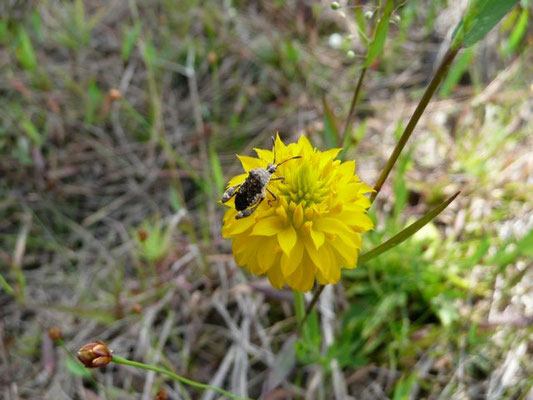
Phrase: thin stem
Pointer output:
(311, 305)
(406, 233)
(430, 90)
(176, 377)
(349, 118)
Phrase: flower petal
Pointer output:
(287, 239)
(267, 255)
(236, 180)
(265, 155)
(234, 226)
(356, 218)
(276, 277)
(249, 163)
(304, 279)
(268, 226)
(289, 263)
(318, 237)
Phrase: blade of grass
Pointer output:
(518, 33)
(424, 101)
(331, 128)
(406, 233)
(6, 286)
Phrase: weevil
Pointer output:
(250, 193)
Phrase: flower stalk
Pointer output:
(176, 377)
(420, 108)
(96, 354)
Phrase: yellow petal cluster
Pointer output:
(313, 228)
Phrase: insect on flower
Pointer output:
(250, 193)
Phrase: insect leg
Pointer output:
(248, 211)
(230, 192)
(272, 194)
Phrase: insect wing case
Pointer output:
(252, 188)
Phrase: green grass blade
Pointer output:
(25, 53)
(406, 233)
(380, 35)
(331, 126)
(518, 33)
(6, 286)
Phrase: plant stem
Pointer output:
(406, 233)
(311, 305)
(430, 90)
(174, 376)
(349, 118)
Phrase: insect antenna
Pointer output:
(288, 159)
(274, 149)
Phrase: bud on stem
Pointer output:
(95, 354)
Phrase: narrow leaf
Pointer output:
(331, 126)
(283, 365)
(6, 286)
(480, 17)
(406, 233)
(25, 53)
(380, 35)
(518, 33)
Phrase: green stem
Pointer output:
(299, 306)
(349, 119)
(174, 376)
(430, 90)
(406, 233)
(311, 305)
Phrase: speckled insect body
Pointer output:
(250, 193)
(252, 189)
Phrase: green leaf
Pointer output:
(518, 32)
(380, 35)
(174, 198)
(129, 39)
(480, 17)
(283, 364)
(93, 100)
(406, 233)
(402, 390)
(32, 132)
(6, 286)
(331, 126)
(382, 313)
(25, 52)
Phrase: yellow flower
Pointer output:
(313, 228)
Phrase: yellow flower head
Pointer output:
(313, 228)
